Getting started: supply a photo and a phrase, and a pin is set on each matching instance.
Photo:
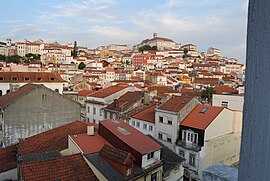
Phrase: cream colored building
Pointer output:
(209, 135)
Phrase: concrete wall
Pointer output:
(176, 175)
(146, 162)
(146, 131)
(235, 102)
(31, 114)
(222, 125)
(10, 174)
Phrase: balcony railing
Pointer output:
(188, 145)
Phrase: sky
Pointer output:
(92, 23)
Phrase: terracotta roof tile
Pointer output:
(33, 77)
(89, 143)
(72, 167)
(212, 81)
(124, 102)
(8, 158)
(130, 136)
(147, 114)
(11, 97)
(85, 92)
(108, 91)
(199, 119)
(225, 88)
(115, 154)
(175, 103)
(52, 140)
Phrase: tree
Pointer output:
(147, 47)
(207, 93)
(3, 58)
(185, 53)
(81, 66)
(74, 53)
(14, 59)
(30, 57)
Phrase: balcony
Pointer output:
(188, 145)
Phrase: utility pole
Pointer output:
(255, 147)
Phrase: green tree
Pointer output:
(3, 58)
(81, 66)
(147, 47)
(207, 93)
(185, 53)
(30, 57)
(14, 59)
(74, 53)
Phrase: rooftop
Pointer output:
(148, 114)
(71, 168)
(55, 139)
(132, 137)
(8, 158)
(201, 116)
(108, 91)
(89, 143)
(175, 103)
(30, 77)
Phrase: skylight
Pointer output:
(204, 110)
(123, 131)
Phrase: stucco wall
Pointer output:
(31, 114)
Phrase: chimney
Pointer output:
(154, 35)
(90, 130)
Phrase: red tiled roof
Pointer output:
(131, 136)
(89, 143)
(115, 154)
(212, 81)
(52, 140)
(147, 114)
(30, 77)
(8, 158)
(108, 91)
(198, 120)
(11, 97)
(124, 102)
(225, 88)
(85, 92)
(72, 167)
(175, 103)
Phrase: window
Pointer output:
(160, 119)
(14, 78)
(150, 155)
(39, 78)
(44, 96)
(150, 128)
(111, 115)
(1, 93)
(224, 104)
(160, 136)
(204, 110)
(144, 126)
(154, 177)
(169, 122)
(133, 123)
(192, 159)
(100, 112)
(52, 78)
(190, 136)
(56, 90)
(26, 78)
(88, 109)
(1, 127)
(169, 139)
(138, 124)
(129, 170)
(182, 153)
(94, 110)
(1, 78)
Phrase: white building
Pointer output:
(144, 121)
(100, 99)
(209, 135)
(233, 101)
(11, 81)
(169, 115)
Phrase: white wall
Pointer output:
(146, 131)
(146, 162)
(235, 102)
(10, 174)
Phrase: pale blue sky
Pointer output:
(216, 23)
